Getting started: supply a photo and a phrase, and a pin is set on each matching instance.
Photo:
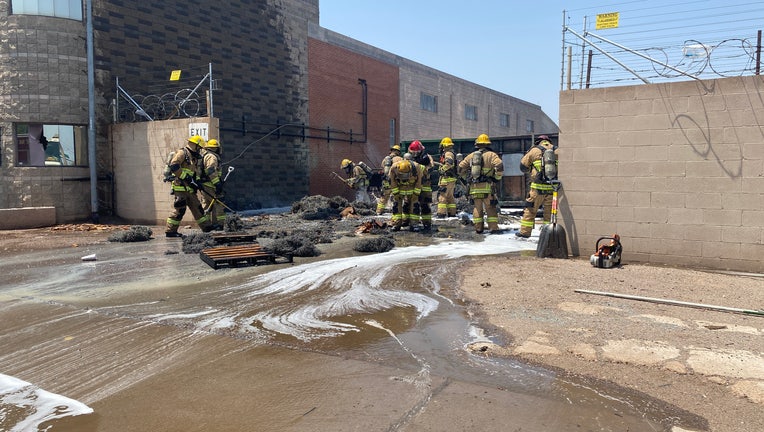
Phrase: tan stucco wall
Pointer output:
(676, 169)
(140, 153)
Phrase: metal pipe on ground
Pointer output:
(674, 302)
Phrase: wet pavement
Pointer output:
(152, 339)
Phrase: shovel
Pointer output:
(553, 242)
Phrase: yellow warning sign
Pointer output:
(175, 75)
(607, 20)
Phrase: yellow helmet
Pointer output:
(346, 163)
(213, 144)
(404, 166)
(395, 147)
(196, 139)
(446, 142)
(483, 139)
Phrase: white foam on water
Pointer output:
(311, 301)
(41, 405)
(355, 285)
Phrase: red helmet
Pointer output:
(416, 146)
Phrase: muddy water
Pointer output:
(158, 341)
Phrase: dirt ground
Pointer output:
(707, 362)
(710, 363)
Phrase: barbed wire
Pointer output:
(662, 41)
(162, 98)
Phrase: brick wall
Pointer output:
(258, 52)
(259, 55)
(336, 102)
(677, 170)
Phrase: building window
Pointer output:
(470, 112)
(428, 102)
(392, 132)
(529, 126)
(50, 145)
(504, 120)
(71, 9)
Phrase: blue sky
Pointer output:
(513, 47)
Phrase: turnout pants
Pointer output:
(485, 210)
(182, 201)
(532, 203)
(446, 200)
(215, 209)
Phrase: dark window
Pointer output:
(504, 120)
(40, 144)
(428, 102)
(470, 112)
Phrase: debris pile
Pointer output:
(376, 244)
(294, 245)
(318, 207)
(194, 243)
(372, 227)
(233, 223)
(135, 233)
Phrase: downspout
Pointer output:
(91, 115)
(364, 109)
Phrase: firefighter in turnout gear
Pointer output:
(447, 181)
(185, 170)
(422, 208)
(405, 187)
(540, 191)
(212, 182)
(357, 179)
(483, 170)
(387, 163)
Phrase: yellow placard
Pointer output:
(607, 20)
(175, 75)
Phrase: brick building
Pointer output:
(291, 99)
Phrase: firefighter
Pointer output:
(212, 183)
(185, 170)
(422, 208)
(357, 180)
(540, 190)
(387, 163)
(405, 187)
(447, 180)
(483, 170)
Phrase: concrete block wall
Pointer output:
(140, 154)
(42, 80)
(676, 169)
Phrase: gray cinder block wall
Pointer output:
(676, 169)
(140, 193)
